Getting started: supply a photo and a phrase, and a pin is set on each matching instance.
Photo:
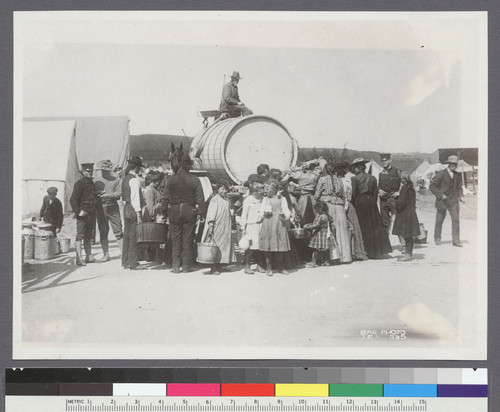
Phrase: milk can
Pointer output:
(29, 241)
(45, 242)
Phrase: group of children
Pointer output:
(265, 223)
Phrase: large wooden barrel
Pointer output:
(232, 149)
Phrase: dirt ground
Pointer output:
(430, 302)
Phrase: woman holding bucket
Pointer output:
(218, 227)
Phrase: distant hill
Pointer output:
(403, 161)
(155, 148)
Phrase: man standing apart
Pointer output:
(230, 105)
(447, 187)
(389, 181)
(82, 202)
(52, 210)
(183, 201)
(132, 196)
(108, 190)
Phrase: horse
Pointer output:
(175, 157)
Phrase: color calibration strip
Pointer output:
(77, 382)
(247, 390)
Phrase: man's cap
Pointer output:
(104, 165)
(384, 156)
(88, 167)
(452, 159)
(236, 75)
(52, 190)
(136, 161)
(359, 160)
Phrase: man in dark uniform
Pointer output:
(52, 210)
(82, 202)
(389, 181)
(182, 202)
(230, 105)
(132, 212)
(447, 187)
(108, 190)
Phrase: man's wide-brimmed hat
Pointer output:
(236, 75)
(359, 160)
(104, 165)
(452, 159)
(88, 167)
(136, 161)
(385, 156)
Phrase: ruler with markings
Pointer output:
(260, 404)
(246, 390)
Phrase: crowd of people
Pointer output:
(320, 213)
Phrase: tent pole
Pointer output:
(473, 179)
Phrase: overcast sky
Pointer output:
(395, 82)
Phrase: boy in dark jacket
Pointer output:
(52, 210)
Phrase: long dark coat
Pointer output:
(406, 223)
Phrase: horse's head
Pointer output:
(175, 156)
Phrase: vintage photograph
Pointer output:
(250, 185)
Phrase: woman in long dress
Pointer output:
(330, 190)
(219, 222)
(364, 196)
(357, 246)
(273, 234)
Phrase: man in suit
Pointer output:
(52, 210)
(447, 187)
(389, 181)
(231, 105)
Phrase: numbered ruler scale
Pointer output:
(243, 404)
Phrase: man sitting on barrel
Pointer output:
(231, 105)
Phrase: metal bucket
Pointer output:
(422, 238)
(64, 244)
(207, 253)
(29, 243)
(45, 245)
(151, 232)
(230, 150)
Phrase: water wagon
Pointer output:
(230, 150)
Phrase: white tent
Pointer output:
(98, 137)
(463, 167)
(373, 168)
(419, 171)
(49, 159)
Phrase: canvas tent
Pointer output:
(419, 171)
(54, 148)
(48, 159)
(98, 138)
(373, 168)
(464, 167)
